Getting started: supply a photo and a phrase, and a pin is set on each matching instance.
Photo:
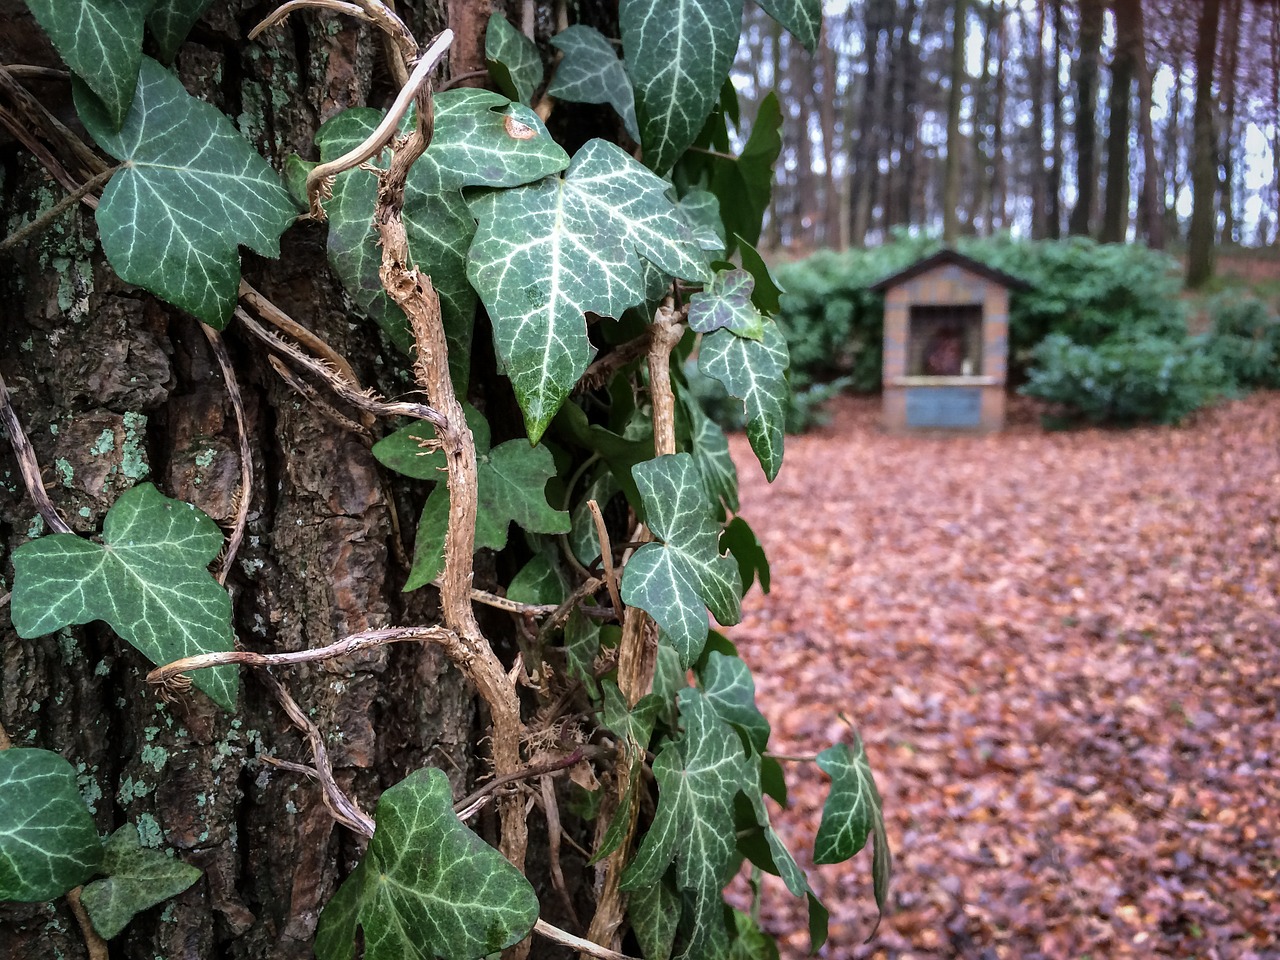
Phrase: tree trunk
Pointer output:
(1152, 209)
(115, 387)
(1115, 215)
(827, 114)
(1204, 174)
(1055, 153)
(1086, 76)
(951, 184)
(1232, 12)
(1039, 191)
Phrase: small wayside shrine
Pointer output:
(946, 344)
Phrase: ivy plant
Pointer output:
(600, 273)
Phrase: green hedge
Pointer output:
(1124, 380)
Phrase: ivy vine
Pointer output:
(595, 270)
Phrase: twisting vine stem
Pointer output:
(413, 292)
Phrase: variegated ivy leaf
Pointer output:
(427, 886)
(677, 579)
(853, 806)
(698, 777)
(48, 843)
(726, 305)
(171, 20)
(583, 538)
(513, 59)
(548, 253)
(592, 73)
(774, 857)
(480, 139)
(630, 723)
(853, 811)
(802, 18)
(191, 191)
(755, 373)
(654, 913)
(701, 211)
(148, 579)
(511, 481)
(137, 879)
(101, 41)
(678, 54)
(731, 691)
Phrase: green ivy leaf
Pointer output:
(539, 581)
(818, 921)
(776, 858)
(698, 777)
(654, 912)
(755, 373)
(171, 20)
(675, 580)
(745, 184)
(620, 453)
(48, 843)
(741, 543)
(149, 580)
(726, 305)
(137, 879)
(767, 295)
(427, 886)
(730, 689)
(581, 647)
(591, 72)
(630, 723)
(583, 539)
(512, 58)
(749, 941)
(851, 814)
(101, 41)
(701, 211)
(669, 677)
(480, 139)
(617, 829)
(548, 253)
(511, 481)
(802, 18)
(710, 449)
(190, 192)
(678, 54)
(853, 806)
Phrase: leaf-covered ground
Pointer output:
(1063, 652)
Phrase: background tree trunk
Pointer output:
(1204, 175)
(955, 93)
(1115, 214)
(1086, 75)
(114, 387)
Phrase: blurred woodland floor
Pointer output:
(1063, 652)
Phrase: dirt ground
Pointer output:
(1063, 653)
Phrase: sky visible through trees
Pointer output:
(1054, 94)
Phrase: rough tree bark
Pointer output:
(114, 387)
